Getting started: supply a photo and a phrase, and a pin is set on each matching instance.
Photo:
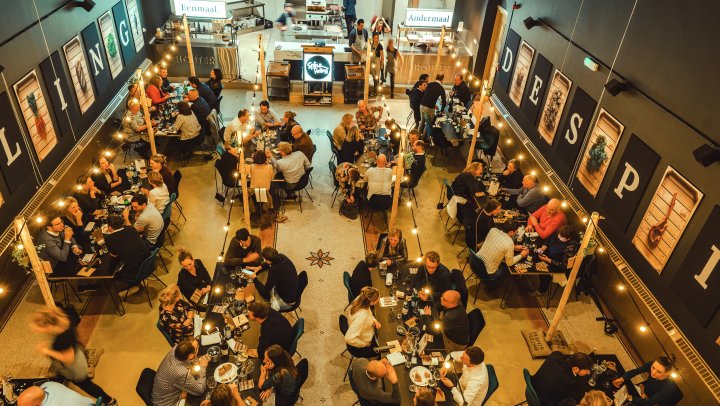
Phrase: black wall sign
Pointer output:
(60, 94)
(632, 176)
(537, 84)
(572, 134)
(697, 283)
(98, 65)
(122, 26)
(507, 60)
(14, 158)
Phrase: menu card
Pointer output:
(396, 358)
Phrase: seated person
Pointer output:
(368, 117)
(432, 275)
(562, 376)
(261, 176)
(224, 395)
(556, 252)
(392, 248)
(215, 82)
(347, 175)
(125, 244)
(474, 381)
(158, 163)
(107, 178)
(547, 219)
(204, 90)
(239, 132)
(469, 187)
(512, 176)
(288, 122)
(189, 127)
(353, 146)
(158, 196)
(172, 377)
(379, 179)
(292, 165)
(498, 247)
(455, 322)
(154, 91)
(281, 288)
(228, 163)
(460, 90)
(278, 377)
(274, 328)
(340, 132)
(193, 279)
(265, 119)
(424, 397)
(302, 142)
(657, 388)
(360, 276)
(417, 168)
(87, 195)
(134, 124)
(200, 108)
(412, 137)
(163, 73)
(58, 243)
(362, 324)
(176, 315)
(368, 378)
(148, 220)
(530, 196)
(483, 222)
(52, 394)
(243, 250)
(74, 218)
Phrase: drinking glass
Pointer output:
(211, 383)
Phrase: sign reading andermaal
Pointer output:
(423, 17)
(200, 8)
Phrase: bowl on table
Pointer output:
(226, 373)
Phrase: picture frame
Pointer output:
(135, 24)
(555, 101)
(79, 73)
(522, 70)
(111, 42)
(599, 151)
(36, 114)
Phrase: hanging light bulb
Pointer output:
(458, 64)
(464, 71)
(500, 124)
(78, 187)
(178, 38)
(643, 328)
(601, 249)
(147, 73)
(521, 157)
(414, 230)
(217, 289)
(119, 135)
(492, 108)
(39, 219)
(226, 227)
(408, 204)
(220, 258)
(95, 170)
(419, 260)
(563, 204)
(533, 172)
(107, 153)
(621, 287)
(173, 48)
(673, 375)
(61, 203)
(508, 141)
(584, 219)
(546, 188)
(20, 246)
(156, 70)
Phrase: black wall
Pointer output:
(669, 54)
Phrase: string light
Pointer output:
(226, 228)
(2, 290)
(39, 219)
(408, 204)
(458, 64)
(20, 246)
(156, 70)
(173, 48)
(584, 219)
(61, 203)
(520, 157)
(563, 204)
(546, 189)
(119, 135)
(601, 250)
(78, 187)
(207, 327)
(643, 328)
(107, 153)
(220, 258)
(447, 365)
(414, 230)
(533, 173)
(621, 287)
(492, 108)
(500, 124)
(419, 260)
(95, 170)
(196, 368)
(508, 141)
(217, 289)
(673, 375)
(437, 326)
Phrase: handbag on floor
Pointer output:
(349, 210)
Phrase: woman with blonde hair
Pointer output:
(74, 218)
(158, 163)
(341, 131)
(468, 186)
(393, 248)
(362, 323)
(176, 314)
(261, 176)
(354, 145)
(595, 398)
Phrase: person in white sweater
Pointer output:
(472, 386)
(362, 323)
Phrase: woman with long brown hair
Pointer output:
(278, 375)
(362, 323)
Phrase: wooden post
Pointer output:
(186, 28)
(368, 52)
(440, 50)
(589, 233)
(22, 231)
(243, 179)
(399, 172)
(146, 111)
(262, 67)
(478, 118)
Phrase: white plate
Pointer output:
(420, 376)
(229, 375)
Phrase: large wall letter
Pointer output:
(530, 106)
(629, 174)
(502, 78)
(96, 54)
(580, 112)
(15, 163)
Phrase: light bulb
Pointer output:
(621, 287)
(96, 170)
(119, 135)
(427, 291)
(163, 63)
(584, 219)
(492, 108)
(414, 231)
(533, 173)
(147, 73)
(173, 48)
(643, 328)
(217, 290)
(673, 375)
(508, 141)
(127, 119)
(20, 246)
(453, 55)
(61, 203)
(196, 368)
(155, 69)
(220, 258)
(207, 326)
(39, 219)
(2, 290)
(177, 38)
(419, 259)
(383, 99)
(477, 82)
(226, 228)
(521, 157)
(601, 249)
(447, 365)
(464, 71)
(78, 187)
(405, 178)
(563, 204)
(235, 174)
(500, 125)
(437, 326)
(107, 153)
(546, 188)
(167, 56)
(408, 204)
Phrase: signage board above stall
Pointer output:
(425, 17)
(317, 67)
(200, 8)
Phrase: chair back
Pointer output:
(165, 333)
(476, 322)
(333, 168)
(226, 178)
(343, 323)
(144, 385)
(449, 192)
(177, 177)
(302, 370)
(380, 202)
(214, 126)
(531, 396)
(346, 282)
(458, 283)
(677, 396)
(380, 238)
(493, 383)
(298, 330)
(477, 266)
(160, 242)
(361, 401)
(304, 180)
(217, 103)
(99, 401)
(147, 267)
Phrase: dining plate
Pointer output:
(228, 376)
(420, 376)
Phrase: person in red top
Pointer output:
(154, 91)
(547, 219)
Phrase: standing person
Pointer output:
(432, 93)
(278, 376)
(340, 132)
(416, 94)
(362, 324)
(377, 63)
(158, 163)
(474, 381)
(394, 58)
(282, 285)
(358, 40)
(657, 388)
(52, 394)
(287, 18)
(193, 279)
(350, 15)
(562, 376)
(380, 26)
(66, 353)
(176, 314)
(215, 82)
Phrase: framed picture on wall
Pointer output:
(554, 104)
(36, 114)
(670, 210)
(112, 45)
(522, 70)
(599, 151)
(79, 73)
(135, 26)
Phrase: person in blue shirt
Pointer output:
(52, 394)
(287, 18)
(350, 14)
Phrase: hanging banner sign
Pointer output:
(200, 8)
(59, 93)
(122, 26)
(98, 64)
(537, 84)
(572, 133)
(14, 158)
(425, 17)
(507, 60)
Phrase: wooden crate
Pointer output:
(687, 200)
(606, 125)
(560, 83)
(522, 70)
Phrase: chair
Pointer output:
(166, 216)
(335, 192)
(476, 323)
(160, 245)
(493, 383)
(165, 333)
(214, 129)
(477, 266)
(314, 151)
(147, 269)
(409, 186)
(458, 284)
(219, 112)
(99, 401)
(144, 385)
(346, 282)
(381, 204)
(177, 177)
(344, 325)
(298, 330)
(449, 194)
(531, 397)
(361, 401)
(302, 370)
(302, 284)
(333, 148)
(227, 183)
(301, 186)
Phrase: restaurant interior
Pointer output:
(374, 202)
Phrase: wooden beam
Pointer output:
(21, 229)
(399, 173)
(439, 54)
(146, 112)
(589, 233)
(478, 118)
(262, 67)
(186, 28)
(243, 179)
(368, 52)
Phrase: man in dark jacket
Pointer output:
(204, 90)
(281, 288)
(274, 328)
(432, 275)
(455, 322)
(415, 94)
(461, 90)
(433, 92)
(125, 244)
(562, 376)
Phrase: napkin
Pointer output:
(387, 301)
(261, 195)
(210, 339)
(197, 323)
(90, 226)
(240, 320)
(396, 358)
